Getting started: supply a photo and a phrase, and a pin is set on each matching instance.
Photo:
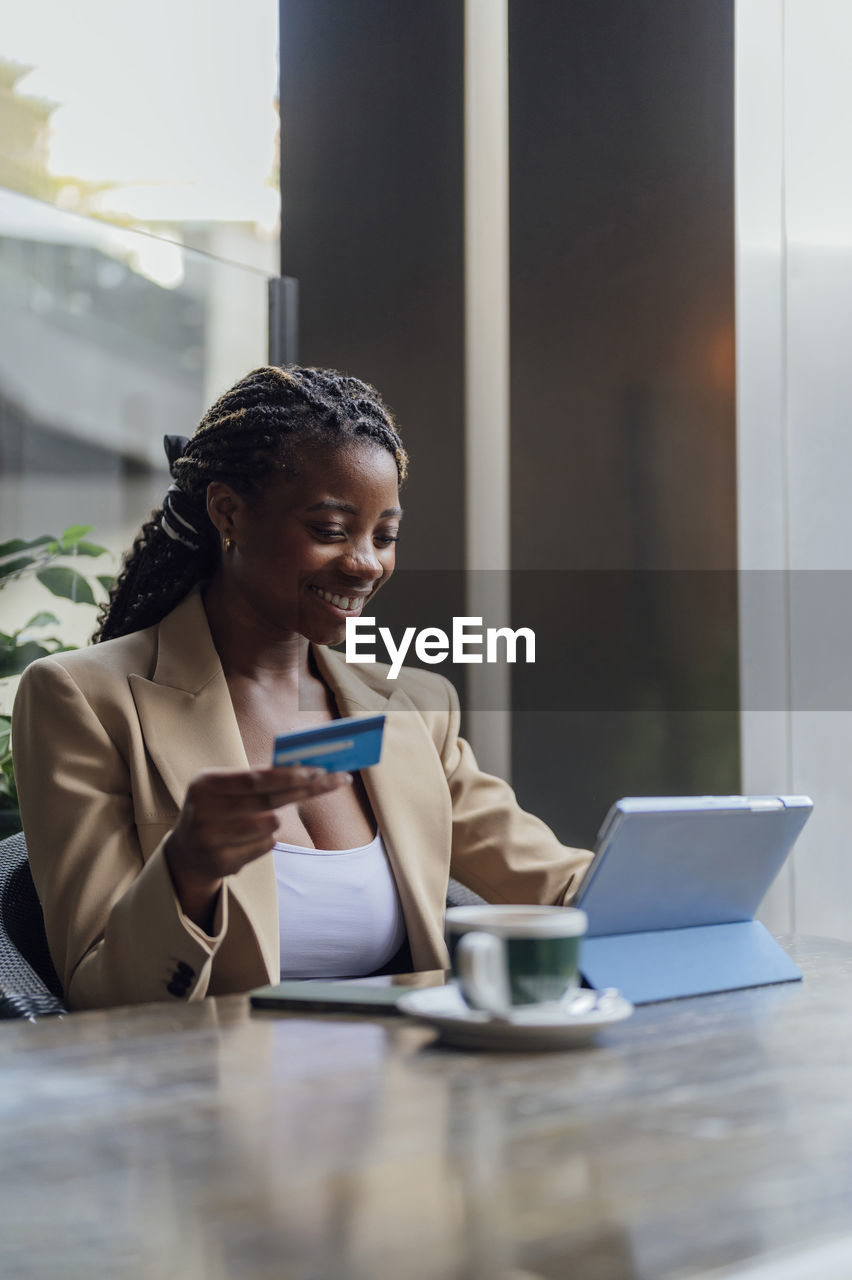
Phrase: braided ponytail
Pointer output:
(250, 433)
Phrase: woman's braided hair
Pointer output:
(251, 433)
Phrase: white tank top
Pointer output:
(338, 910)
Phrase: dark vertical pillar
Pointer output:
(372, 227)
(623, 430)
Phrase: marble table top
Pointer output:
(700, 1137)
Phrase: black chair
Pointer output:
(29, 987)
(458, 895)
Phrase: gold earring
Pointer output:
(227, 543)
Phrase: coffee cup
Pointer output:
(511, 958)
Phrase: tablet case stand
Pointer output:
(670, 963)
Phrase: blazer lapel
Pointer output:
(185, 710)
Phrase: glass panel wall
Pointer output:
(109, 339)
(162, 116)
(623, 408)
(794, 301)
(139, 225)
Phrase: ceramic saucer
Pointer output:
(557, 1026)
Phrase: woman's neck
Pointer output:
(247, 646)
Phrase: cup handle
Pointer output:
(481, 963)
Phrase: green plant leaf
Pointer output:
(15, 566)
(107, 581)
(66, 583)
(8, 790)
(13, 663)
(22, 544)
(89, 549)
(41, 620)
(72, 535)
(5, 736)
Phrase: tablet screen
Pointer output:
(676, 862)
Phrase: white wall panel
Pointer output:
(762, 451)
(794, 281)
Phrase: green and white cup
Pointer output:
(508, 958)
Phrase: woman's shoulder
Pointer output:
(99, 665)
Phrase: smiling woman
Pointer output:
(171, 858)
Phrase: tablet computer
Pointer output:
(678, 862)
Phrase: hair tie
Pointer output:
(175, 447)
(180, 512)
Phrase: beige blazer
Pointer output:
(106, 740)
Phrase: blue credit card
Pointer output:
(351, 744)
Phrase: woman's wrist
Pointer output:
(198, 895)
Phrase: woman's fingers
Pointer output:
(316, 787)
(210, 850)
(261, 789)
(247, 782)
(239, 831)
